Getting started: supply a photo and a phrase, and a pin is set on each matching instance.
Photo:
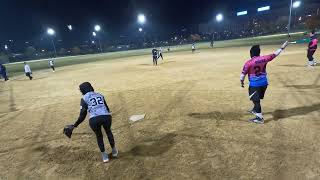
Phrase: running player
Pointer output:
(155, 56)
(3, 72)
(51, 64)
(312, 47)
(27, 70)
(100, 116)
(258, 82)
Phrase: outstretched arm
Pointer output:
(83, 113)
(283, 47)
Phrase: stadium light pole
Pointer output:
(141, 19)
(290, 13)
(295, 5)
(51, 33)
(219, 18)
(97, 28)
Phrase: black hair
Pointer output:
(255, 51)
(85, 88)
(313, 31)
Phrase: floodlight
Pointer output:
(241, 13)
(97, 28)
(50, 31)
(296, 4)
(219, 17)
(70, 27)
(265, 8)
(94, 33)
(140, 29)
(141, 19)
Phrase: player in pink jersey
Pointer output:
(312, 47)
(255, 68)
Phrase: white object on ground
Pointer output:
(135, 118)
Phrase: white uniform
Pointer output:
(193, 47)
(51, 63)
(96, 104)
(27, 69)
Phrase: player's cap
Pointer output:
(85, 88)
(255, 51)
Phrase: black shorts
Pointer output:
(257, 93)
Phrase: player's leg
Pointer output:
(29, 75)
(53, 69)
(5, 76)
(255, 96)
(310, 57)
(96, 127)
(107, 127)
(161, 56)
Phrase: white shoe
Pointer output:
(115, 152)
(257, 120)
(105, 157)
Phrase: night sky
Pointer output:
(28, 19)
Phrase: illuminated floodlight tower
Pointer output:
(97, 28)
(295, 6)
(51, 33)
(219, 17)
(142, 19)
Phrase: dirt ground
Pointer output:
(196, 124)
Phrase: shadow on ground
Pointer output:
(297, 111)
(153, 147)
(216, 115)
(293, 65)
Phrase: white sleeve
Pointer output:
(242, 77)
(278, 52)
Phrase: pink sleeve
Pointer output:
(269, 57)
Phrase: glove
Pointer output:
(67, 130)
(242, 84)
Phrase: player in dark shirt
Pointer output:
(3, 72)
(100, 116)
(155, 56)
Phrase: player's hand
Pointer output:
(242, 84)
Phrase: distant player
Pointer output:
(51, 64)
(27, 70)
(312, 47)
(193, 48)
(258, 82)
(100, 116)
(160, 53)
(3, 72)
(155, 56)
